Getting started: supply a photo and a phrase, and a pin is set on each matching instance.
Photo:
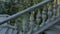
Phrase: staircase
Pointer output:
(42, 21)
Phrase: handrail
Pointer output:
(24, 11)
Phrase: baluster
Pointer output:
(24, 25)
(50, 10)
(31, 23)
(59, 9)
(16, 30)
(56, 5)
(38, 19)
(44, 15)
(55, 9)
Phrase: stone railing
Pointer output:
(31, 21)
